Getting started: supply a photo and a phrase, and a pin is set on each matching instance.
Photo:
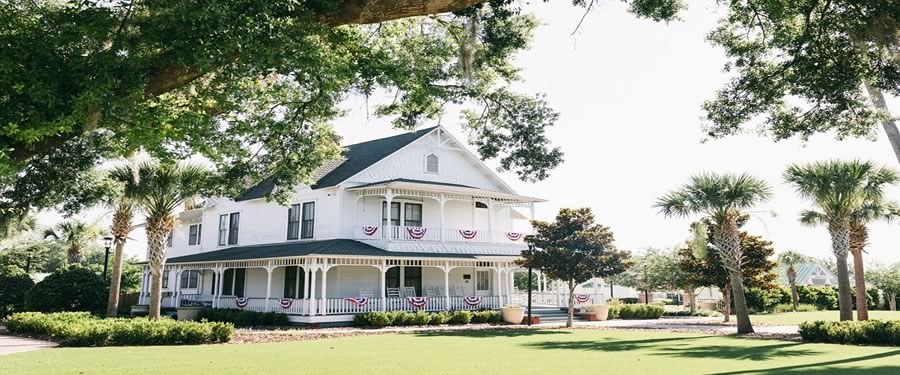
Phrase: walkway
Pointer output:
(13, 344)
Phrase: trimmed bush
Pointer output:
(787, 307)
(244, 318)
(379, 319)
(695, 313)
(83, 329)
(486, 316)
(635, 311)
(869, 332)
(825, 298)
(460, 317)
(71, 288)
(14, 284)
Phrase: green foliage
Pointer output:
(71, 288)
(765, 299)
(379, 319)
(799, 67)
(654, 270)
(460, 317)
(82, 329)
(244, 318)
(635, 311)
(789, 307)
(14, 284)
(486, 316)
(824, 298)
(46, 256)
(869, 332)
(707, 313)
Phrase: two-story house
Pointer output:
(413, 221)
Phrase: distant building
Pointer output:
(812, 273)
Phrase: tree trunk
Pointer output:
(74, 255)
(156, 258)
(744, 326)
(727, 298)
(862, 308)
(792, 280)
(890, 125)
(120, 228)
(690, 294)
(840, 246)
(892, 302)
(571, 304)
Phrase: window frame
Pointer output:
(186, 279)
(165, 280)
(195, 236)
(486, 280)
(307, 224)
(437, 163)
(394, 221)
(293, 228)
(406, 213)
(228, 234)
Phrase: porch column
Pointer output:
(558, 294)
(497, 290)
(442, 201)
(511, 285)
(596, 291)
(490, 220)
(323, 307)
(387, 207)
(383, 284)
(313, 308)
(217, 297)
(447, 269)
(269, 270)
(177, 288)
(143, 286)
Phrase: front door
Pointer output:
(483, 282)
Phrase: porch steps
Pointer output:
(551, 314)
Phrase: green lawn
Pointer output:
(799, 317)
(473, 352)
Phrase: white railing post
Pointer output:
(269, 269)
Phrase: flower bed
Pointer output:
(380, 319)
(870, 332)
(83, 329)
(635, 311)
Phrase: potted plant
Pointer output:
(513, 314)
(597, 312)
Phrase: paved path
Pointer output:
(690, 324)
(12, 344)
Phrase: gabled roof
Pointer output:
(355, 159)
(302, 248)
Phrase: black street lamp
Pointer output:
(107, 243)
(530, 270)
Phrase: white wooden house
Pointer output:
(447, 241)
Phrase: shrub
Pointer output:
(869, 332)
(825, 298)
(765, 299)
(486, 316)
(82, 329)
(636, 312)
(441, 317)
(420, 318)
(71, 288)
(694, 313)
(460, 317)
(629, 300)
(788, 307)
(375, 319)
(14, 284)
(244, 318)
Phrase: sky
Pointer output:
(629, 93)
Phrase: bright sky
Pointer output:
(629, 93)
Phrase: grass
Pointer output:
(795, 318)
(473, 352)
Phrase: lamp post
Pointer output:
(107, 243)
(530, 270)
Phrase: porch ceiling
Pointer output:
(335, 247)
(454, 190)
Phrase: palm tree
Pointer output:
(723, 198)
(74, 236)
(122, 205)
(876, 210)
(158, 191)
(840, 189)
(790, 260)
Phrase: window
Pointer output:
(165, 280)
(480, 205)
(395, 213)
(392, 277)
(194, 234)
(432, 163)
(229, 225)
(190, 279)
(482, 281)
(293, 222)
(233, 282)
(412, 277)
(413, 215)
(294, 282)
(169, 239)
(212, 289)
(309, 220)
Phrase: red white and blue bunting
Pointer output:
(473, 300)
(241, 302)
(369, 230)
(417, 302)
(416, 232)
(514, 236)
(468, 233)
(582, 298)
(358, 301)
(286, 303)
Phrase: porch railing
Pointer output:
(408, 233)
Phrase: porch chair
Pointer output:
(365, 292)
(429, 292)
(458, 291)
(409, 291)
(393, 292)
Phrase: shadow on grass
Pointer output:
(492, 333)
(752, 353)
(609, 345)
(817, 367)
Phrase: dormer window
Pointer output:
(432, 163)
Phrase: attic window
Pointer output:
(431, 163)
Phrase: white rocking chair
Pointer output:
(393, 292)
(409, 291)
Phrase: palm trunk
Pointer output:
(74, 255)
(156, 258)
(792, 280)
(571, 304)
(120, 228)
(727, 238)
(889, 124)
(840, 245)
(727, 298)
(858, 237)
(744, 326)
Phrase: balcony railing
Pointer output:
(407, 233)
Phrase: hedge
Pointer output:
(14, 284)
(692, 313)
(380, 319)
(869, 332)
(787, 307)
(244, 318)
(635, 311)
(83, 329)
(71, 288)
